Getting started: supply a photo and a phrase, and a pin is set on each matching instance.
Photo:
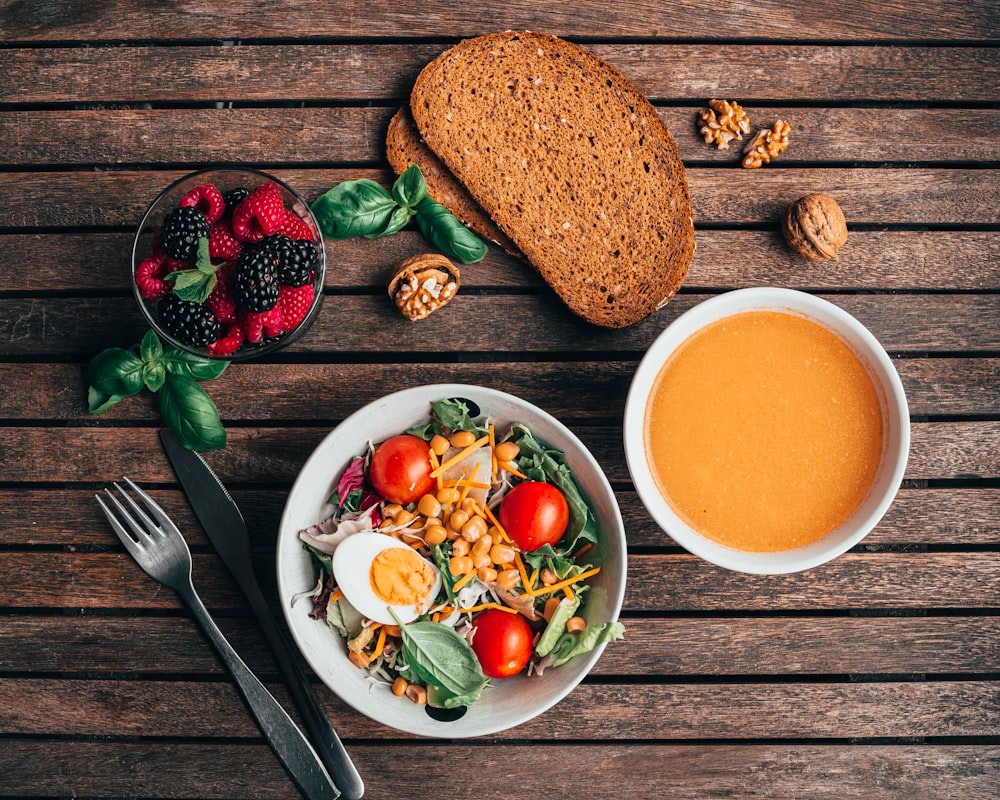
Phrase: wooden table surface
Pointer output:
(874, 676)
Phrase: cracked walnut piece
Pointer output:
(722, 122)
(767, 144)
(423, 284)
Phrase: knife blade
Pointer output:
(225, 527)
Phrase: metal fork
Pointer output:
(160, 549)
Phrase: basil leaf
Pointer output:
(396, 222)
(98, 402)
(190, 413)
(353, 208)
(154, 375)
(116, 371)
(150, 348)
(441, 657)
(410, 188)
(442, 229)
(177, 362)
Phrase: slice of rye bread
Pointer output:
(404, 147)
(571, 161)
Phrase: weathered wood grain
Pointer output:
(918, 196)
(853, 21)
(654, 584)
(359, 326)
(885, 260)
(653, 648)
(593, 711)
(111, 136)
(572, 390)
(265, 456)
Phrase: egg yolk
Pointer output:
(401, 577)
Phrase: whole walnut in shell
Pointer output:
(814, 226)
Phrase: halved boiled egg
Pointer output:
(377, 572)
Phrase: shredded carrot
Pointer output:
(380, 644)
(466, 486)
(468, 576)
(496, 523)
(470, 484)
(435, 463)
(459, 456)
(557, 587)
(532, 580)
(493, 454)
(583, 550)
(509, 466)
(524, 573)
(568, 592)
(484, 606)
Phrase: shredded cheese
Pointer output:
(336, 595)
(435, 463)
(509, 466)
(468, 576)
(380, 644)
(496, 523)
(493, 454)
(459, 456)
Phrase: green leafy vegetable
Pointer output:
(448, 416)
(439, 656)
(116, 373)
(557, 625)
(572, 645)
(365, 208)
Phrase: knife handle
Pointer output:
(287, 741)
(331, 749)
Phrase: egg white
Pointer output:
(352, 561)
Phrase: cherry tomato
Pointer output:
(501, 642)
(400, 469)
(534, 514)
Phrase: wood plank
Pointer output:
(696, 772)
(938, 387)
(264, 456)
(593, 711)
(876, 581)
(918, 196)
(136, 646)
(893, 259)
(363, 325)
(918, 518)
(107, 135)
(853, 20)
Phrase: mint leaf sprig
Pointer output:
(196, 284)
(366, 208)
(117, 373)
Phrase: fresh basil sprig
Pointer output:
(365, 208)
(117, 373)
(195, 284)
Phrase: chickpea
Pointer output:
(399, 687)
(435, 534)
(508, 579)
(391, 509)
(429, 506)
(481, 560)
(487, 574)
(403, 517)
(506, 452)
(459, 565)
(461, 547)
(482, 545)
(550, 608)
(448, 494)
(547, 577)
(575, 624)
(462, 439)
(458, 519)
(474, 529)
(502, 554)
(439, 445)
(418, 694)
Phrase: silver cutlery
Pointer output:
(159, 548)
(225, 527)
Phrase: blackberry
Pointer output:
(255, 281)
(234, 197)
(296, 258)
(182, 228)
(188, 322)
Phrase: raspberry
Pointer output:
(294, 302)
(182, 228)
(258, 325)
(260, 215)
(255, 281)
(149, 277)
(222, 245)
(294, 227)
(188, 322)
(208, 200)
(228, 343)
(220, 302)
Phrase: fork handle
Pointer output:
(285, 738)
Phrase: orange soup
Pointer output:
(764, 431)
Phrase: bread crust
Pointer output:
(404, 147)
(571, 161)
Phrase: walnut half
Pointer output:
(722, 122)
(767, 144)
(423, 284)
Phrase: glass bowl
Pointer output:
(260, 332)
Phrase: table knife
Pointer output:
(226, 529)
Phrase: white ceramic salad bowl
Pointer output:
(507, 702)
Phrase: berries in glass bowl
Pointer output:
(229, 263)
